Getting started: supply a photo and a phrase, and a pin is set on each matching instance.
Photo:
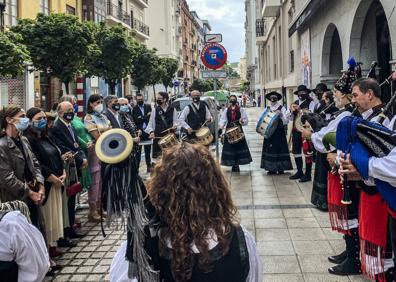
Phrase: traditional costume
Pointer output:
(300, 143)
(275, 156)
(362, 140)
(161, 120)
(194, 116)
(238, 153)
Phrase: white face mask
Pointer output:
(98, 108)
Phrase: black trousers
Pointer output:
(147, 155)
(71, 205)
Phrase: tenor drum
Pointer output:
(168, 141)
(234, 135)
(204, 136)
(267, 123)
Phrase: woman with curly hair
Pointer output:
(197, 236)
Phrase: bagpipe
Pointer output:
(124, 198)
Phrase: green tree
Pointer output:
(170, 66)
(112, 54)
(58, 44)
(231, 73)
(157, 70)
(13, 55)
(144, 65)
(201, 85)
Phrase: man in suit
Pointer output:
(65, 138)
(141, 115)
(112, 111)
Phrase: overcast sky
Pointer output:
(226, 17)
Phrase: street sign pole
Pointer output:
(216, 122)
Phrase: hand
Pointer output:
(56, 181)
(84, 163)
(139, 132)
(347, 168)
(90, 146)
(34, 196)
(67, 156)
(189, 130)
(63, 177)
(41, 192)
(331, 157)
(32, 185)
(306, 134)
(136, 139)
(151, 136)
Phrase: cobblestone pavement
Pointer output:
(294, 239)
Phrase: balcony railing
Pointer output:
(118, 13)
(141, 27)
(260, 28)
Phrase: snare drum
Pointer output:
(234, 135)
(267, 123)
(204, 136)
(168, 141)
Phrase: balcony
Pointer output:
(142, 29)
(261, 31)
(142, 3)
(271, 8)
(115, 14)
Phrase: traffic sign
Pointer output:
(213, 38)
(214, 56)
(207, 74)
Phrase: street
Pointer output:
(293, 238)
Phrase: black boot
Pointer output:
(337, 259)
(351, 265)
(299, 172)
(389, 275)
(307, 175)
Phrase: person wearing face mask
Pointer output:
(238, 153)
(112, 111)
(195, 115)
(304, 102)
(96, 123)
(163, 120)
(129, 125)
(141, 115)
(317, 96)
(65, 137)
(20, 173)
(54, 174)
(275, 156)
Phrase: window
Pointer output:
(44, 7)
(291, 58)
(11, 13)
(70, 10)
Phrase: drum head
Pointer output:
(114, 146)
(203, 132)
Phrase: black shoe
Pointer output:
(237, 169)
(347, 267)
(271, 172)
(74, 235)
(66, 243)
(297, 175)
(56, 267)
(324, 208)
(50, 273)
(305, 178)
(337, 259)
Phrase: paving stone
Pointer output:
(323, 277)
(62, 278)
(312, 247)
(69, 269)
(271, 213)
(280, 264)
(95, 277)
(84, 269)
(303, 234)
(272, 234)
(97, 254)
(101, 269)
(290, 213)
(76, 262)
(83, 255)
(275, 248)
(79, 277)
(301, 222)
(314, 263)
(270, 223)
(283, 278)
(91, 261)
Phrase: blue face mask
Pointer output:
(124, 108)
(40, 124)
(75, 108)
(22, 124)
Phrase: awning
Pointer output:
(306, 14)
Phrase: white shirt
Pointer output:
(119, 265)
(223, 119)
(366, 115)
(392, 123)
(151, 125)
(384, 168)
(317, 137)
(186, 112)
(23, 243)
(284, 114)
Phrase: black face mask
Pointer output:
(196, 99)
(116, 106)
(68, 116)
(233, 102)
(273, 100)
(159, 102)
(140, 103)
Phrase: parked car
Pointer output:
(181, 103)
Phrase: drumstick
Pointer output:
(166, 130)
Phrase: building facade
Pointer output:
(329, 32)
(203, 27)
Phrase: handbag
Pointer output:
(73, 189)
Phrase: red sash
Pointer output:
(373, 224)
(338, 212)
(307, 150)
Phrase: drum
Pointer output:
(267, 123)
(204, 136)
(168, 141)
(234, 135)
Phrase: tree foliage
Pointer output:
(144, 65)
(231, 73)
(58, 44)
(203, 85)
(170, 66)
(13, 55)
(111, 55)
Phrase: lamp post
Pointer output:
(2, 10)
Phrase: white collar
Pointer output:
(275, 106)
(367, 113)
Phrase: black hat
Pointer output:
(320, 87)
(273, 93)
(301, 88)
(344, 84)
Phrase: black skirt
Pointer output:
(235, 154)
(275, 155)
(319, 190)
